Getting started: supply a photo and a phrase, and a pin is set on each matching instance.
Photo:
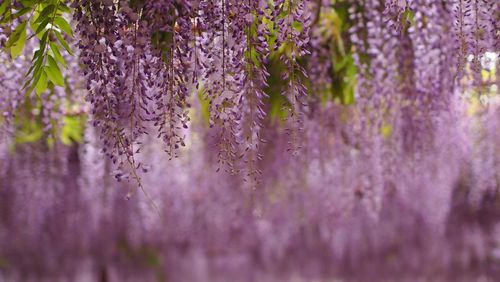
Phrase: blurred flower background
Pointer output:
(286, 140)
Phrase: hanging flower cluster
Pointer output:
(391, 107)
(144, 61)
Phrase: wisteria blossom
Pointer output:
(225, 140)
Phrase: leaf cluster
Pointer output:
(44, 21)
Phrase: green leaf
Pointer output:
(38, 62)
(63, 8)
(63, 42)
(43, 43)
(30, 132)
(22, 12)
(53, 72)
(42, 83)
(3, 7)
(36, 55)
(17, 48)
(44, 15)
(72, 130)
(14, 37)
(28, 3)
(63, 25)
(7, 17)
(57, 54)
(34, 26)
(29, 90)
(42, 26)
(37, 74)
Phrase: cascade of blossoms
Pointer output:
(251, 106)
(113, 51)
(294, 41)
(173, 68)
(401, 183)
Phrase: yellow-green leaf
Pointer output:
(3, 7)
(44, 15)
(53, 71)
(31, 131)
(63, 25)
(42, 26)
(57, 54)
(63, 42)
(18, 46)
(72, 130)
(28, 3)
(14, 37)
(42, 83)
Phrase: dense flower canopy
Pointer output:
(268, 140)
